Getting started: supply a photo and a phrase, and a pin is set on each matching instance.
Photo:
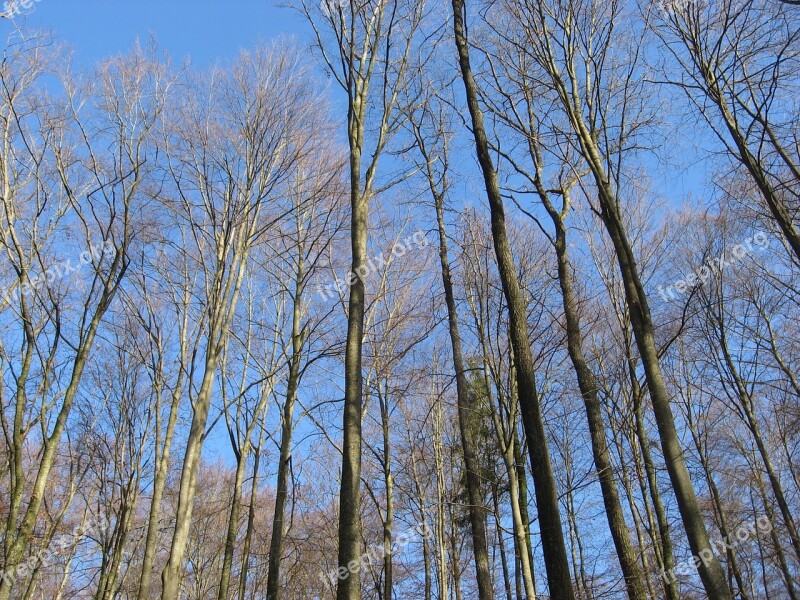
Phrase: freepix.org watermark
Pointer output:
(14, 8)
(670, 7)
(44, 558)
(740, 536)
(715, 265)
(331, 8)
(376, 553)
(373, 265)
(62, 269)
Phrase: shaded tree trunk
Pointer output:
(285, 457)
(594, 414)
(555, 552)
(467, 415)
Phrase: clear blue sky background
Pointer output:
(213, 30)
(203, 29)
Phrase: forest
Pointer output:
(491, 300)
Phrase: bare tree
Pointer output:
(305, 239)
(550, 173)
(368, 46)
(229, 152)
(429, 125)
(556, 561)
(604, 129)
(57, 178)
(737, 62)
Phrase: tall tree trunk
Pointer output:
(638, 520)
(284, 460)
(501, 543)
(509, 449)
(228, 286)
(18, 534)
(522, 477)
(455, 559)
(664, 534)
(508, 446)
(108, 582)
(468, 412)
(594, 415)
(251, 519)
(423, 512)
(711, 572)
(716, 498)
(172, 576)
(788, 579)
(442, 504)
(349, 587)
(388, 481)
(233, 522)
(555, 552)
(159, 484)
(521, 541)
(575, 548)
(751, 420)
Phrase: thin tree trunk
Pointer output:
(228, 286)
(251, 518)
(788, 579)
(455, 559)
(388, 481)
(426, 559)
(18, 535)
(509, 447)
(746, 403)
(242, 446)
(468, 412)
(522, 477)
(233, 522)
(171, 576)
(574, 543)
(421, 498)
(162, 457)
(520, 537)
(594, 414)
(108, 584)
(733, 561)
(711, 572)
(441, 504)
(18, 538)
(284, 460)
(637, 518)
(502, 544)
(777, 207)
(667, 555)
(159, 484)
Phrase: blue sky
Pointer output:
(203, 29)
(212, 30)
